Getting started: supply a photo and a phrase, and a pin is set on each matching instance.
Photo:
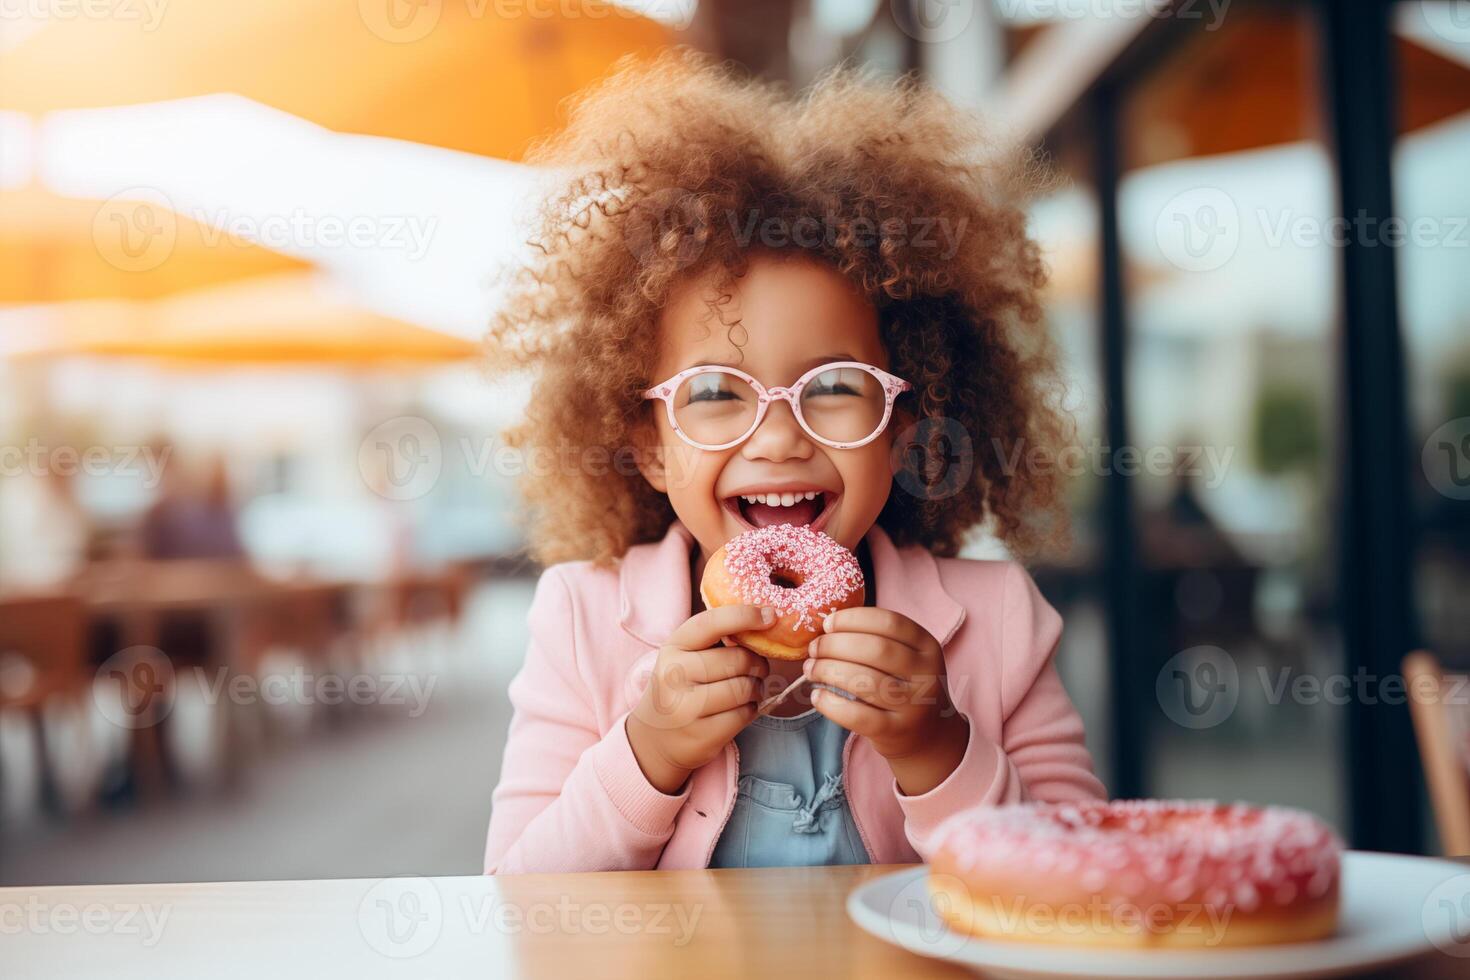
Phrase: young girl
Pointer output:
(717, 236)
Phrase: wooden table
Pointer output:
(756, 924)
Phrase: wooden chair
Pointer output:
(43, 658)
(1440, 704)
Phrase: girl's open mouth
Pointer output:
(800, 507)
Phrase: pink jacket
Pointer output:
(572, 797)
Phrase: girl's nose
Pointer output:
(779, 436)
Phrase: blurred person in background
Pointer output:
(193, 517)
(45, 533)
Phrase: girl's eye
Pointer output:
(710, 389)
(838, 382)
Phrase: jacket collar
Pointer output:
(654, 594)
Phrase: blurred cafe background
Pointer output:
(261, 589)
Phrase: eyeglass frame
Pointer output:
(664, 391)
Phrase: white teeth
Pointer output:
(780, 499)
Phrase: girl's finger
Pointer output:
(855, 716)
(704, 630)
(880, 622)
(879, 652)
(720, 696)
(865, 683)
(727, 724)
(718, 663)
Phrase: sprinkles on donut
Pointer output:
(803, 574)
(1140, 873)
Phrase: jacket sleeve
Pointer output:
(570, 798)
(1041, 754)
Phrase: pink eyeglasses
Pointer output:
(844, 404)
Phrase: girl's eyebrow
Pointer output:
(806, 365)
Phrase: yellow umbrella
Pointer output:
(294, 318)
(464, 75)
(60, 248)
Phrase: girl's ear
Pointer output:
(648, 452)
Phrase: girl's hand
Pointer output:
(701, 693)
(895, 669)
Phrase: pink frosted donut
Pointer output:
(802, 574)
(1137, 873)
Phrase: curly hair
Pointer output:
(660, 170)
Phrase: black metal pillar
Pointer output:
(1374, 575)
(1131, 693)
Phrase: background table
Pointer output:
(756, 924)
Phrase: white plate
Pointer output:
(1393, 908)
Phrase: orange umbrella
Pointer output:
(294, 318)
(56, 248)
(465, 75)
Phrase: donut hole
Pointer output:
(785, 578)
